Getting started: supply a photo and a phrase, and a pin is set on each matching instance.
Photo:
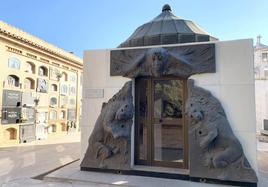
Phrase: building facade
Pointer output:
(168, 97)
(261, 60)
(40, 88)
(261, 86)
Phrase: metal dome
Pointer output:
(167, 28)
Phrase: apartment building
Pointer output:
(40, 87)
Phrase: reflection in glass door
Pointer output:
(142, 117)
(160, 125)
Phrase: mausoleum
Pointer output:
(171, 101)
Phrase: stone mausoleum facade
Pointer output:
(40, 88)
(171, 101)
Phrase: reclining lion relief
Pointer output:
(109, 143)
(215, 152)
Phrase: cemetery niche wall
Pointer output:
(172, 106)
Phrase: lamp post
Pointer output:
(36, 102)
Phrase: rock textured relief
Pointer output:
(214, 150)
(109, 143)
(182, 61)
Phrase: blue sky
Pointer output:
(76, 25)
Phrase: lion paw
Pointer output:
(105, 153)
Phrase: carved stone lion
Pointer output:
(109, 143)
(215, 152)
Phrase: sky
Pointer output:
(78, 25)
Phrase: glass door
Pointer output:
(161, 134)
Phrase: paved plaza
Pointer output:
(33, 159)
(20, 164)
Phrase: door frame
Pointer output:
(150, 142)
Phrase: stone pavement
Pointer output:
(70, 176)
(32, 159)
(263, 164)
(28, 182)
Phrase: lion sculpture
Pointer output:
(109, 143)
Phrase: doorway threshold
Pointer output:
(157, 169)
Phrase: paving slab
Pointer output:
(32, 159)
(72, 174)
(28, 182)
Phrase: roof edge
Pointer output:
(18, 34)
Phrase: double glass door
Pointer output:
(160, 130)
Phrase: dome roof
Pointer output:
(167, 28)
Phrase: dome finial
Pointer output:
(166, 7)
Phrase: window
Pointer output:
(72, 102)
(63, 127)
(54, 87)
(43, 71)
(14, 63)
(30, 67)
(11, 134)
(13, 80)
(64, 89)
(64, 76)
(53, 115)
(54, 128)
(53, 101)
(266, 73)
(264, 56)
(62, 114)
(71, 114)
(72, 90)
(72, 77)
(29, 83)
(63, 101)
